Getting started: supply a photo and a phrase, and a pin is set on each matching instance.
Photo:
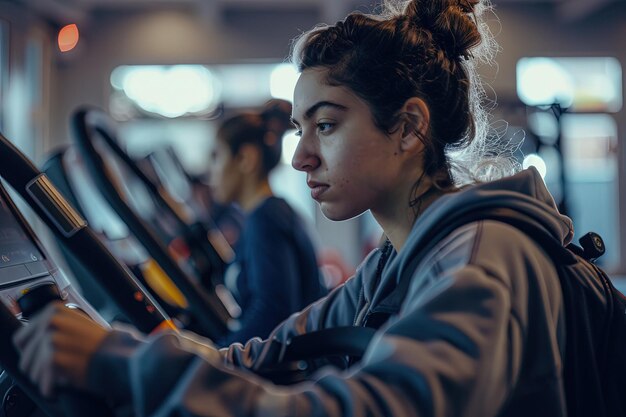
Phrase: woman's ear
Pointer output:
(248, 158)
(414, 124)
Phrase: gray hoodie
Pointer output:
(478, 332)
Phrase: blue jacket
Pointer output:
(479, 332)
(278, 271)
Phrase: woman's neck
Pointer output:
(254, 194)
(398, 220)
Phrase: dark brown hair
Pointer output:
(420, 48)
(264, 130)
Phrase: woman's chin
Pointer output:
(336, 213)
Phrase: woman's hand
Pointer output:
(56, 347)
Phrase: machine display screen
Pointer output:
(15, 246)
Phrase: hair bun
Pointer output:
(468, 6)
(277, 116)
(451, 23)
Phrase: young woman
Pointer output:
(389, 117)
(275, 266)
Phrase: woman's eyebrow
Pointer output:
(314, 108)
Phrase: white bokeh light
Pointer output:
(290, 143)
(536, 161)
(283, 81)
(542, 81)
(169, 91)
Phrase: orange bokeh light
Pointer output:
(68, 37)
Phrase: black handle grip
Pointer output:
(37, 298)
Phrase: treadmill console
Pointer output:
(20, 258)
(25, 265)
(28, 279)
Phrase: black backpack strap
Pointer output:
(294, 360)
(345, 341)
(595, 355)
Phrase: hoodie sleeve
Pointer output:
(113, 369)
(339, 308)
(454, 349)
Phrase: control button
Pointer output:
(11, 274)
(37, 268)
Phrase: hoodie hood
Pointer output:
(524, 192)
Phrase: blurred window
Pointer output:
(589, 144)
(581, 84)
(570, 101)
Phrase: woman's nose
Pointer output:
(305, 158)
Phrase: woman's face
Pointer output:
(351, 165)
(224, 176)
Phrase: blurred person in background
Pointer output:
(275, 272)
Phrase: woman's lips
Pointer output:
(318, 190)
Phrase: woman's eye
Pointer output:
(324, 126)
(298, 133)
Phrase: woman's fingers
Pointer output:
(41, 373)
(36, 325)
(30, 341)
(72, 322)
(46, 384)
(26, 348)
(35, 359)
(56, 345)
